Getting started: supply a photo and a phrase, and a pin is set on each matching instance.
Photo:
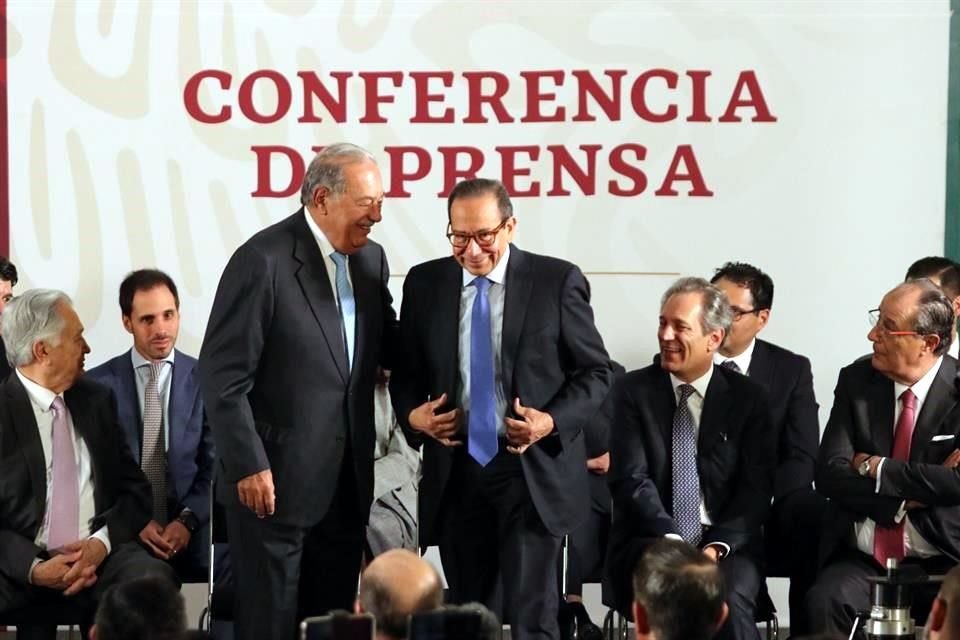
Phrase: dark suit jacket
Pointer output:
(5, 368)
(274, 375)
(861, 421)
(735, 457)
(122, 496)
(190, 453)
(788, 381)
(552, 358)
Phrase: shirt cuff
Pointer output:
(901, 513)
(33, 565)
(674, 536)
(876, 488)
(103, 535)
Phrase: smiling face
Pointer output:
(685, 350)
(347, 218)
(474, 215)
(154, 322)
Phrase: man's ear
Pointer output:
(764, 316)
(93, 633)
(724, 613)
(938, 615)
(357, 608)
(640, 621)
(127, 323)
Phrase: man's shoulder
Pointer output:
(89, 389)
(276, 238)
(738, 384)
(109, 369)
(543, 264)
(185, 360)
(781, 355)
(432, 268)
(647, 378)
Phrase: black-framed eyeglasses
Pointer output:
(484, 237)
(739, 313)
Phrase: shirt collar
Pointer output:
(700, 384)
(325, 247)
(498, 275)
(139, 361)
(743, 360)
(39, 396)
(922, 386)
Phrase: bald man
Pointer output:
(396, 585)
(944, 620)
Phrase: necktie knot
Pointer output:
(686, 390)
(733, 366)
(481, 283)
(909, 399)
(57, 406)
(339, 259)
(154, 370)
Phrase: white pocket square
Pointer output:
(941, 438)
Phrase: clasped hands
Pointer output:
(165, 542)
(73, 570)
(521, 432)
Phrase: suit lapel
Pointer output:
(181, 399)
(880, 413)
(515, 304)
(365, 286)
(315, 284)
(127, 396)
(22, 421)
(664, 406)
(761, 368)
(940, 400)
(716, 406)
(448, 338)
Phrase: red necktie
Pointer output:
(888, 541)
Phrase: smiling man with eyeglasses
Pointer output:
(501, 368)
(889, 455)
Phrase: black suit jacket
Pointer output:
(861, 421)
(735, 457)
(274, 375)
(552, 358)
(788, 381)
(121, 495)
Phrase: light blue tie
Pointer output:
(348, 306)
(482, 423)
(686, 480)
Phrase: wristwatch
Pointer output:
(864, 468)
(189, 520)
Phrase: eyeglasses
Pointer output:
(483, 238)
(739, 313)
(873, 316)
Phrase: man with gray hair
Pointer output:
(692, 454)
(889, 455)
(301, 320)
(72, 500)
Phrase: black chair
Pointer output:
(220, 593)
(766, 612)
(41, 620)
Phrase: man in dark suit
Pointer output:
(157, 391)
(888, 457)
(502, 367)
(71, 498)
(945, 273)
(8, 280)
(287, 369)
(790, 531)
(692, 454)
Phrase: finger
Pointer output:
(75, 587)
(153, 549)
(439, 402)
(518, 408)
(161, 543)
(515, 425)
(270, 499)
(450, 443)
(450, 417)
(445, 432)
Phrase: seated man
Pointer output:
(395, 585)
(678, 593)
(944, 620)
(396, 474)
(8, 280)
(158, 399)
(692, 454)
(71, 498)
(143, 608)
(945, 273)
(888, 455)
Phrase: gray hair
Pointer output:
(716, 313)
(326, 169)
(934, 314)
(29, 318)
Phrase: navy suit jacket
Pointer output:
(190, 453)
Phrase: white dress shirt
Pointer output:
(41, 400)
(326, 249)
(743, 360)
(495, 295)
(141, 367)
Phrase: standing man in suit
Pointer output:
(157, 391)
(287, 369)
(71, 498)
(502, 367)
(692, 454)
(790, 531)
(8, 280)
(945, 273)
(888, 457)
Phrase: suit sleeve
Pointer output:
(239, 321)
(835, 478)
(587, 364)
(198, 497)
(408, 387)
(17, 555)
(390, 343)
(800, 437)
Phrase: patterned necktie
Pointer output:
(153, 459)
(730, 364)
(348, 306)
(65, 497)
(888, 541)
(482, 423)
(686, 480)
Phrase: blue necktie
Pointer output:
(348, 306)
(482, 423)
(686, 480)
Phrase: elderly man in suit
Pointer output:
(790, 531)
(158, 399)
(889, 455)
(502, 367)
(298, 328)
(691, 454)
(71, 498)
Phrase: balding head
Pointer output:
(397, 584)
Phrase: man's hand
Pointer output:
(712, 552)
(952, 460)
(439, 426)
(599, 465)
(83, 573)
(49, 573)
(257, 493)
(152, 538)
(177, 536)
(859, 458)
(531, 426)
